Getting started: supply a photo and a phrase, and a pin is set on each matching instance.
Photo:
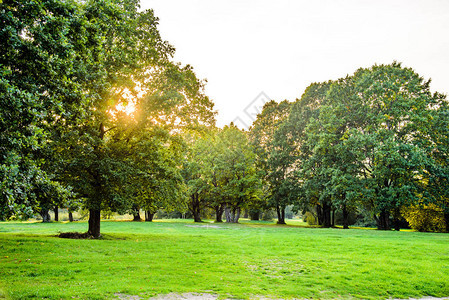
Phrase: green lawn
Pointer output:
(246, 260)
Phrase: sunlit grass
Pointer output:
(246, 260)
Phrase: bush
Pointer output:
(310, 218)
(428, 218)
(268, 215)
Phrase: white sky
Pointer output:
(279, 47)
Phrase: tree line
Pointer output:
(375, 142)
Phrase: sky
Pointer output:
(253, 51)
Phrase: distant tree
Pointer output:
(305, 165)
(236, 164)
(273, 158)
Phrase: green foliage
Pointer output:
(428, 218)
(39, 85)
(310, 218)
(220, 173)
(268, 215)
(363, 141)
(274, 156)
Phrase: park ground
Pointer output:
(251, 260)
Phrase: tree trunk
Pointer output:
(56, 210)
(70, 216)
(319, 214)
(219, 213)
(345, 217)
(396, 221)
(195, 208)
(333, 218)
(326, 215)
(237, 215)
(281, 214)
(136, 215)
(246, 214)
(45, 215)
(383, 221)
(446, 220)
(228, 214)
(149, 216)
(94, 223)
(135, 210)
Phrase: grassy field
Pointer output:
(248, 260)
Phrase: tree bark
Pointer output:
(319, 214)
(56, 210)
(45, 215)
(280, 210)
(195, 208)
(333, 218)
(219, 213)
(136, 213)
(136, 216)
(345, 217)
(228, 214)
(149, 216)
(383, 221)
(70, 216)
(396, 220)
(237, 215)
(446, 220)
(94, 223)
(326, 215)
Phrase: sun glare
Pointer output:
(128, 104)
(128, 108)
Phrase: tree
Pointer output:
(305, 166)
(273, 157)
(220, 174)
(366, 143)
(399, 109)
(40, 85)
(194, 172)
(132, 67)
(436, 179)
(240, 185)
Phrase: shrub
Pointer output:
(268, 215)
(428, 218)
(310, 218)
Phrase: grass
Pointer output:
(248, 260)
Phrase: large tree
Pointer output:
(305, 165)
(138, 71)
(70, 73)
(41, 86)
(274, 155)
